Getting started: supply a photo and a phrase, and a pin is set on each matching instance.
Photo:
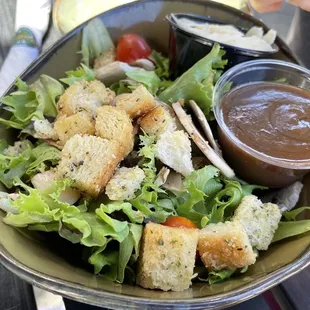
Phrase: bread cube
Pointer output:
(113, 123)
(225, 245)
(136, 104)
(167, 257)
(89, 162)
(79, 123)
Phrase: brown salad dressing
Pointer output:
(271, 118)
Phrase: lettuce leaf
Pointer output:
(40, 206)
(22, 159)
(161, 64)
(82, 73)
(291, 229)
(14, 166)
(100, 260)
(219, 276)
(198, 82)
(43, 156)
(126, 208)
(120, 88)
(36, 101)
(291, 215)
(208, 197)
(148, 78)
(147, 200)
(125, 251)
(95, 41)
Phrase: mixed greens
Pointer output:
(111, 231)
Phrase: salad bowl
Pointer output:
(51, 265)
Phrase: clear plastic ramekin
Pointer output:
(248, 163)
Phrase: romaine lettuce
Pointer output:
(36, 101)
(198, 82)
(23, 159)
(82, 73)
(95, 41)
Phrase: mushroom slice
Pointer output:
(286, 198)
(113, 72)
(205, 126)
(144, 64)
(174, 182)
(203, 145)
(162, 176)
(43, 180)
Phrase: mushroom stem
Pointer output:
(203, 145)
(205, 126)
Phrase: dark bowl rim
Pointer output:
(209, 42)
(116, 300)
(100, 297)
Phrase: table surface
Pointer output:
(292, 294)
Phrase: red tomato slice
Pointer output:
(179, 221)
(131, 47)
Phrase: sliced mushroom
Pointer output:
(162, 176)
(205, 126)
(144, 64)
(113, 72)
(203, 145)
(286, 198)
(174, 182)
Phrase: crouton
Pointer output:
(158, 121)
(68, 126)
(106, 58)
(124, 183)
(167, 257)
(259, 220)
(18, 148)
(225, 245)
(84, 96)
(113, 123)
(44, 130)
(136, 104)
(89, 162)
(174, 150)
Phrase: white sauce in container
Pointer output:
(254, 39)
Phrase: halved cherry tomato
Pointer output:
(179, 221)
(131, 47)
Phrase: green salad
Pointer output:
(110, 157)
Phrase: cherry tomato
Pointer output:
(179, 221)
(131, 47)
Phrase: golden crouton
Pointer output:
(125, 183)
(67, 126)
(158, 121)
(167, 257)
(106, 58)
(136, 104)
(113, 123)
(89, 162)
(225, 245)
(84, 96)
(44, 130)
(259, 220)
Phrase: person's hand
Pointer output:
(264, 6)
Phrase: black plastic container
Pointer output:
(186, 48)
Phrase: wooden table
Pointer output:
(292, 294)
